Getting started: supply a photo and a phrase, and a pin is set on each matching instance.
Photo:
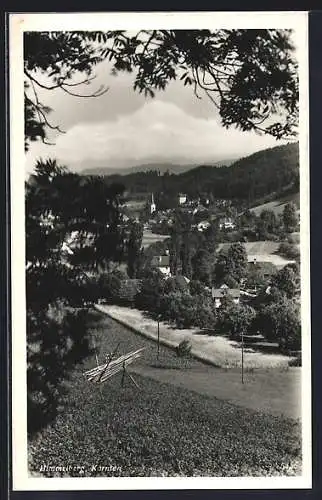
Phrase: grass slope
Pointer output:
(159, 430)
(277, 206)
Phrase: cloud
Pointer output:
(157, 131)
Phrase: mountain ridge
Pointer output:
(172, 168)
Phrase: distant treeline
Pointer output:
(249, 179)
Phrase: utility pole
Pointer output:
(242, 360)
(158, 336)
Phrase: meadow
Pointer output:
(160, 429)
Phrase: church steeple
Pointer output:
(152, 205)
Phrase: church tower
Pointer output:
(152, 205)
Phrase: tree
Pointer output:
(203, 266)
(110, 284)
(57, 339)
(249, 75)
(280, 322)
(197, 288)
(255, 277)
(185, 254)
(211, 238)
(58, 290)
(151, 291)
(231, 263)
(237, 261)
(176, 284)
(290, 218)
(267, 224)
(287, 281)
(236, 319)
(134, 248)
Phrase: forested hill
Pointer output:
(255, 177)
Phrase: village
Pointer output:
(162, 257)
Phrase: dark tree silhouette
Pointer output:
(58, 291)
(134, 248)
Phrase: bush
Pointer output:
(183, 350)
(289, 250)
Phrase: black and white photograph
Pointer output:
(160, 251)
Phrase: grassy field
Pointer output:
(159, 430)
(277, 205)
(263, 251)
(149, 238)
(218, 350)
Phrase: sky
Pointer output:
(123, 128)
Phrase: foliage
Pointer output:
(57, 339)
(235, 319)
(249, 75)
(180, 244)
(178, 308)
(81, 211)
(267, 224)
(176, 284)
(203, 266)
(110, 284)
(289, 250)
(204, 316)
(255, 277)
(232, 263)
(183, 350)
(286, 280)
(151, 291)
(280, 322)
(197, 288)
(290, 218)
(134, 248)
(230, 281)
(60, 278)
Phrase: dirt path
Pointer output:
(216, 350)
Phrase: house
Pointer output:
(182, 198)
(227, 224)
(223, 291)
(162, 262)
(203, 225)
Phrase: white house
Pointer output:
(227, 224)
(162, 262)
(224, 290)
(203, 225)
(182, 198)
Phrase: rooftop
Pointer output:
(161, 261)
